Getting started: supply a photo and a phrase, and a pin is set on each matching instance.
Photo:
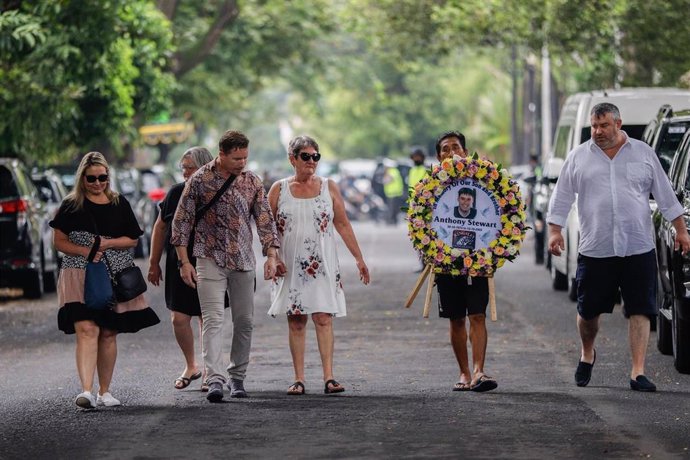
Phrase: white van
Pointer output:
(637, 106)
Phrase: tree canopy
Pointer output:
(366, 77)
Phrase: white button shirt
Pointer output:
(613, 198)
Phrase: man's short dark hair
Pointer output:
(417, 153)
(603, 108)
(446, 135)
(231, 140)
(466, 191)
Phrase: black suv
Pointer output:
(52, 191)
(665, 132)
(673, 298)
(27, 258)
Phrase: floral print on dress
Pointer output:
(295, 307)
(283, 222)
(322, 216)
(311, 264)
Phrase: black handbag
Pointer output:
(128, 283)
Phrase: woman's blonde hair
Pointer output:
(76, 197)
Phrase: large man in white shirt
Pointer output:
(612, 176)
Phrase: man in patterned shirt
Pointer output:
(222, 242)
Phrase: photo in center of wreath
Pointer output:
(467, 215)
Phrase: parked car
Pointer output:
(673, 321)
(52, 191)
(152, 185)
(664, 134)
(665, 131)
(27, 257)
(637, 106)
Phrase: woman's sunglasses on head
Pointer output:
(91, 179)
(306, 156)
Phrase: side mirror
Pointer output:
(46, 194)
(531, 180)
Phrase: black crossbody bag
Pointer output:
(129, 282)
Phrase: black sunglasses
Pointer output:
(305, 156)
(102, 178)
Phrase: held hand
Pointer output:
(281, 269)
(97, 257)
(155, 276)
(188, 275)
(682, 242)
(556, 244)
(363, 271)
(270, 269)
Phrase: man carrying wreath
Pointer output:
(462, 296)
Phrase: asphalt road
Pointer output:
(398, 369)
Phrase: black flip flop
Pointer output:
(329, 391)
(297, 386)
(462, 386)
(485, 383)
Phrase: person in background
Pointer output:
(418, 169)
(94, 222)
(461, 297)
(308, 209)
(222, 244)
(612, 176)
(393, 188)
(416, 173)
(181, 300)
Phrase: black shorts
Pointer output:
(457, 299)
(599, 279)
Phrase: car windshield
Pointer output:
(633, 131)
(669, 142)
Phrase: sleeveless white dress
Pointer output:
(312, 283)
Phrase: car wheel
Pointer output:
(559, 281)
(538, 248)
(50, 277)
(663, 335)
(681, 341)
(33, 285)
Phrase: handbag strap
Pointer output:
(201, 211)
(96, 245)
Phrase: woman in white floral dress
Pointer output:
(308, 209)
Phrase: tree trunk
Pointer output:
(168, 8)
(188, 59)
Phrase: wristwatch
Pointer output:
(180, 263)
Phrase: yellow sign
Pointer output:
(166, 133)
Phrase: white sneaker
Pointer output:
(86, 400)
(107, 400)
